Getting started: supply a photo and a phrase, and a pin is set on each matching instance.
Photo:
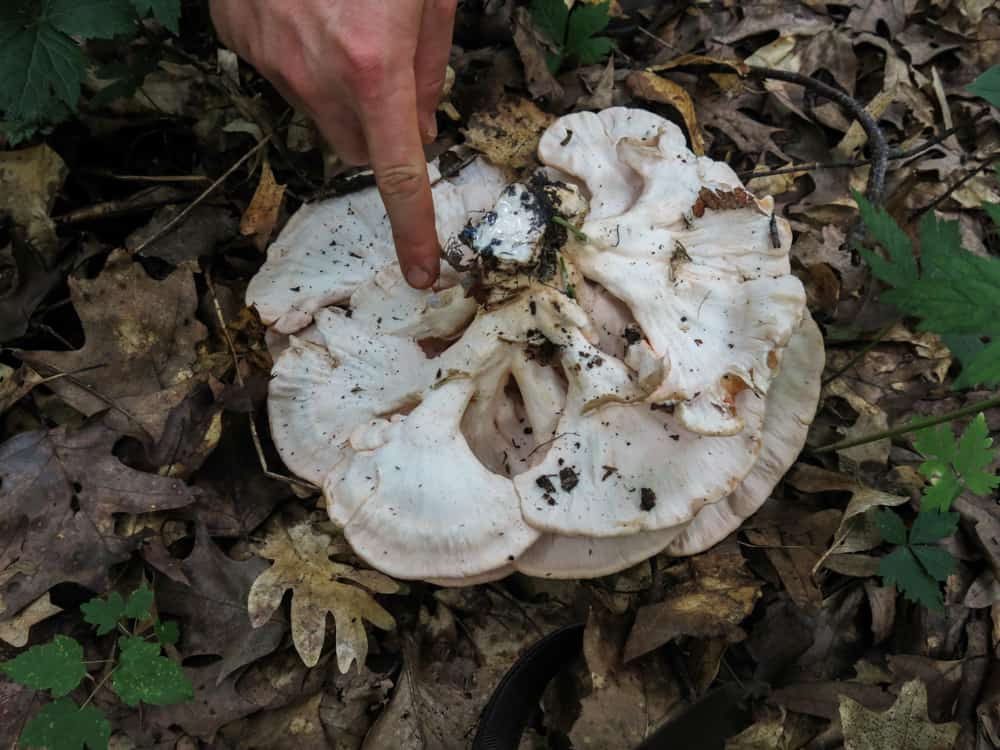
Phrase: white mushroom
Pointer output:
(566, 401)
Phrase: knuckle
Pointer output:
(402, 180)
(366, 67)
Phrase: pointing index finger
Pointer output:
(397, 158)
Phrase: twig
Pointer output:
(170, 225)
(862, 352)
(258, 446)
(575, 231)
(877, 144)
(916, 424)
(894, 155)
(947, 193)
(155, 179)
(144, 200)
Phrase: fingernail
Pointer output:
(418, 277)
(430, 129)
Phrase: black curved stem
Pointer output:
(877, 145)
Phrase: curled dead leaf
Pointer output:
(647, 85)
(262, 213)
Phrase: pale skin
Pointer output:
(370, 75)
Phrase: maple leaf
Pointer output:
(57, 666)
(904, 726)
(956, 465)
(61, 489)
(302, 564)
(140, 343)
(63, 725)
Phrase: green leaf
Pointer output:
(900, 268)
(993, 211)
(901, 569)
(62, 725)
(57, 666)
(942, 493)
(938, 442)
(938, 563)
(932, 525)
(104, 613)
(41, 70)
(982, 368)
(167, 12)
(975, 454)
(594, 50)
(90, 19)
(584, 22)
(139, 603)
(987, 86)
(167, 632)
(890, 526)
(144, 674)
(551, 17)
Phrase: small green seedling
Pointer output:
(916, 567)
(572, 33)
(141, 674)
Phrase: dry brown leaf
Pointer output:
(140, 337)
(302, 564)
(16, 630)
(16, 384)
(857, 531)
(508, 137)
(717, 596)
(904, 726)
(647, 85)
(30, 179)
(870, 419)
(531, 47)
(262, 214)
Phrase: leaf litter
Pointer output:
(124, 409)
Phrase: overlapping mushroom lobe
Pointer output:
(590, 379)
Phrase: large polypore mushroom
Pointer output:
(616, 361)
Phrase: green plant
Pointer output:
(42, 63)
(572, 33)
(141, 674)
(916, 567)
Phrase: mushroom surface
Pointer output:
(616, 361)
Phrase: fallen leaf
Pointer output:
(647, 85)
(25, 280)
(261, 215)
(140, 338)
(297, 724)
(601, 88)
(870, 419)
(61, 490)
(530, 46)
(30, 180)
(16, 384)
(857, 531)
(204, 229)
(215, 610)
(16, 630)
(302, 564)
(717, 595)
(508, 137)
(904, 726)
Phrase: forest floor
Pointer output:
(133, 373)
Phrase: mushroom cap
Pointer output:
(562, 403)
(329, 249)
(791, 404)
(416, 503)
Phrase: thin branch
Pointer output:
(258, 446)
(862, 352)
(170, 225)
(877, 144)
(948, 193)
(916, 424)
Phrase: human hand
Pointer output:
(370, 75)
